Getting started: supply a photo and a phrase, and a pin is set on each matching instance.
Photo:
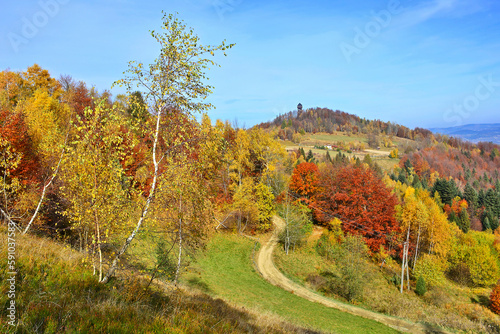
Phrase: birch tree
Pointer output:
(173, 84)
(92, 177)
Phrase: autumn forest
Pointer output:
(134, 191)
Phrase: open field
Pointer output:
(226, 270)
(381, 156)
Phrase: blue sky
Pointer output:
(429, 63)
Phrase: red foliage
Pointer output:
(362, 202)
(14, 130)
(304, 181)
(79, 98)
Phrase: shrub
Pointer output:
(483, 266)
(430, 268)
(438, 297)
(473, 254)
(349, 257)
(396, 280)
(421, 289)
(495, 299)
(460, 273)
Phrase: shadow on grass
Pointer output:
(481, 300)
(239, 319)
(198, 283)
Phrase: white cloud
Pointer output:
(421, 13)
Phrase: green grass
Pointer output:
(226, 270)
(339, 136)
(56, 292)
(381, 157)
(299, 263)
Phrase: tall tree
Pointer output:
(173, 84)
(93, 180)
(361, 200)
(305, 180)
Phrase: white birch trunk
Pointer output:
(145, 209)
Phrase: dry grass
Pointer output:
(57, 293)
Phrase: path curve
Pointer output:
(269, 271)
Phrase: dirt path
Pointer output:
(268, 270)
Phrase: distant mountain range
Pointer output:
(473, 132)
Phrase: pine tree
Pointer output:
(446, 189)
(421, 288)
(408, 165)
(470, 195)
(463, 221)
(402, 177)
(367, 160)
(486, 223)
(310, 156)
(492, 202)
(490, 220)
(301, 152)
(480, 198)
(453, 217)
(328, 157)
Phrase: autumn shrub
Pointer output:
(483, 266)
(431, 269)
(472, 255)
(460, 274)
(495, 299)
(350, 258)
(324, 244)
(438, 297)
(396, 280)
(317, 282)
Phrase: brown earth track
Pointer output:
(268, 270)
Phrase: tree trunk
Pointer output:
(416, 248)
(180, 243)
(46, 186)
(145, 209)
(405, 259)
(7, 217)
(99, 250)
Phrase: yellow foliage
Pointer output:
(431, 268)
(335, 227)
(45, 118)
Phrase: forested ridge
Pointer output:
(106, 175)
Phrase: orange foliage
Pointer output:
(420, 166)
(495, 299)
(361, 200)
(304, 181)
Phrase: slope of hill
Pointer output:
(226, 270)
(473, 132)
(56, 292)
